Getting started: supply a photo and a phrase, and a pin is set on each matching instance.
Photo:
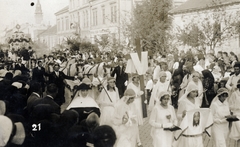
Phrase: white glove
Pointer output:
(168, 125)
(140, 93)
(126, 83)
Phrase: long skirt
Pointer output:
(220, 133)
(138, 104)
(161, 138)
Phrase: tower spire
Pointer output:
(38, 13)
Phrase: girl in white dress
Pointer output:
(234, 103)
(161, 85)
(162, 116)
(195, 80)
(188, 101)
(125, 120)
(220, 109)
(107, 99)
(135, 85)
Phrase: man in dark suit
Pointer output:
(57, 77)
(35, 95)
(51, 92)
(21, 67)
(121, 77)
(38, 75)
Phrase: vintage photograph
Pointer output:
(119, 73)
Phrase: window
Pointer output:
(103, 15)
(95, 17)
(113, 13)
(62, 24)
(86, 18)
(58, 25)
(67, 23)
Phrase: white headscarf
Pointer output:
(161, 94)
(190, 87)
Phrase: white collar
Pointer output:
(50, 96)
(36, 94)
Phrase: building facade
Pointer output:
(199, 13)
(49, 37)
(63, 25)
(92, 19)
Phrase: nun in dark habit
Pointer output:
(83, 103)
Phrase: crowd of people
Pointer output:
(33, 93)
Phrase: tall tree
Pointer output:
(151, 23)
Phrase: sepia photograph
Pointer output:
(119, 73)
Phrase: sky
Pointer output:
(21, 11)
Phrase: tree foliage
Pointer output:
(84, 46)
(151, 23)
(103, 41)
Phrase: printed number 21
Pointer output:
(36, 127)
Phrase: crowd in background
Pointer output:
(33, 92)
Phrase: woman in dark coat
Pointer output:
(208, 85)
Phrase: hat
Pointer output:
(56, 64)
(111, 79)
(92, 120)
(2, 107)
(237, 64)
(191, 87)
(6, 127)
(162, 73)
(86, 81)
(50, 55)
(104, 135)
(20, 135)
(135, 75)
(130, 93)
(17, 84)
(84, 86)
(163, 93)
(221, 91)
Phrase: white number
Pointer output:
(36, 127)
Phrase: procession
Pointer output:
(155, 80)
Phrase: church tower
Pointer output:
(38, 13)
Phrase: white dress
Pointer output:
(162, 138)
(234, 103)
(157, 89)
(126, 133)
(107, 107)
(220, 130)
(185, 104)
(137, 102)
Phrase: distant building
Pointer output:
(49, 37)
(90, 19)
(63, 25)
(193, 10)
(29, 30)
(38, 13)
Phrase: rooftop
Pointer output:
(50, 31)
(65, 9)
(196, 5)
